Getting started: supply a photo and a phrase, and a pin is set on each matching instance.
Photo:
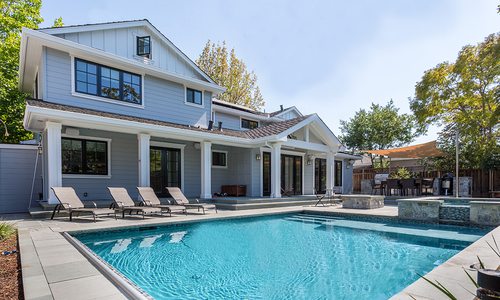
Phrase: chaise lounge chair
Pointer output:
(124, 203)
(70, 201)
(180, 199)
(149, 198)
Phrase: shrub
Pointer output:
(6, 230)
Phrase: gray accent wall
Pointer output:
(17, 166)
(163, 100)
(238, 171)
(347, 172)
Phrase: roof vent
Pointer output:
(281, 107)
(210, 124)
(220, 126)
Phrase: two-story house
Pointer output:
(118, 104)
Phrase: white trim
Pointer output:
(100, 98)
(143, 159)
(227, 160)
(236, 112)
(19, 146)
(172, 146)
(202, 105)
(89, 138)
(54, 159)
(206, 169)
(248, 119)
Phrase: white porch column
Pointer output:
(143, 145)
(206, 170)
(330, 170)
(276, 170)
(54, 161)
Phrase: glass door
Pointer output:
(320, 175)
(266, 173)
(165, 169)
(291, 174)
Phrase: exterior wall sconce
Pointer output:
(257, 157)
(40, 150)
(309, 160)
(197, 146)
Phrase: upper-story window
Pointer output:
(249, 124)
(194, 96)
(98, 80)
(144, 46)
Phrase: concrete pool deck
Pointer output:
(53, 269)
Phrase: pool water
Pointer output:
(281, 257)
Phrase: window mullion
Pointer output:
(84, 157)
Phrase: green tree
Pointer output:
(381, 127)
(58, 22)
(465, 96)
(14, 15)
(229, 71)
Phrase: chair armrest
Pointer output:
(120, 204)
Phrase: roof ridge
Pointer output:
(99, 23)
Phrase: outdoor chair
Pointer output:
(328, 196)
(376, 186)
(180, 199)
(287, 193)
(149, 198)
(408, 185)
(427, 183)
(124, 203)
(393, 184)
(70, 201)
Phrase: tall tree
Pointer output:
(58, 22)
(381, 127)
(14, 15)
(229, 71)
(465, 96)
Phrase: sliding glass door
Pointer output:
(320, 175)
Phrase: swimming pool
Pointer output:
(280, 257)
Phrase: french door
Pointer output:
(165, 169)
(291, 174)
(320, 175)
(266, 174)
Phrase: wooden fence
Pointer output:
(483, 181)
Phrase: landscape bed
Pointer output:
(286, 256)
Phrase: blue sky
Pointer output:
(328, 57)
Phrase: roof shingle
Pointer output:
(260, 132)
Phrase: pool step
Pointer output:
(385, 227)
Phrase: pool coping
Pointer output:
(38, 286)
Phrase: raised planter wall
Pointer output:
(362, 201)
(419, 209)
(485, 213)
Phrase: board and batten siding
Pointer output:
(123, 42)
(17, 166)
(163, 100)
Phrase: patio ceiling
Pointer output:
(415, 151)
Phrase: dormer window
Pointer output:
(249, 124)
(144, 46)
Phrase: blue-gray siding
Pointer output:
(163, 100)
(16, 176)
(228, 121)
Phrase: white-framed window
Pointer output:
(85, 156)
(219, 159)
(194, 97)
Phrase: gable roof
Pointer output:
(288, 109)
(128, 24)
